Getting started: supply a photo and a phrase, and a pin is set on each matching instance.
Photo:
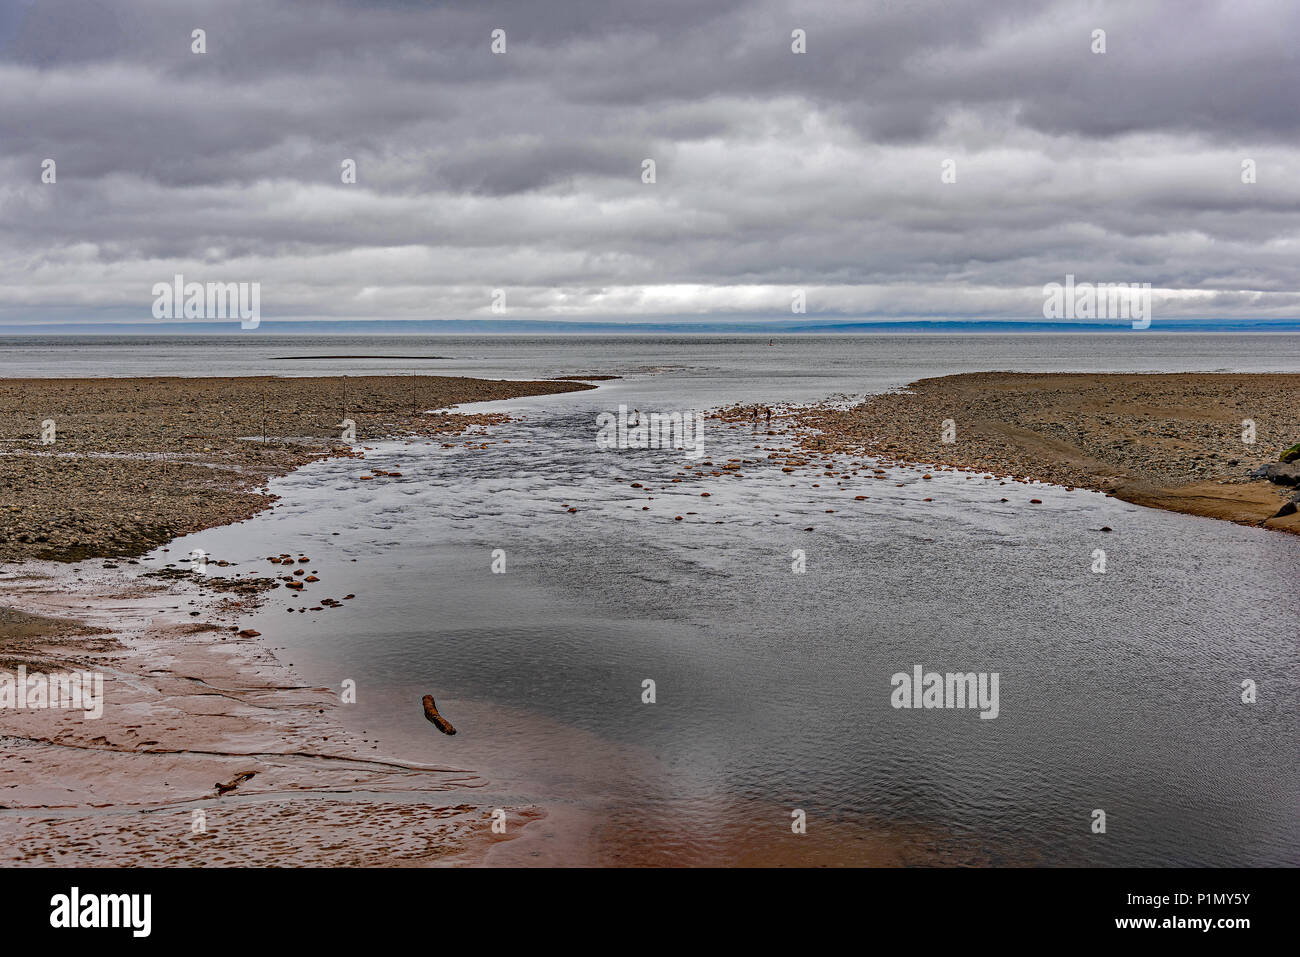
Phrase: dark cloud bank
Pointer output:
(775, 171)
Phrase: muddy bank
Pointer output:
(208, 750)
(113, 467)
(203, 747)
(1172, 441)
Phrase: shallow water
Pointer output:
(1118, 691)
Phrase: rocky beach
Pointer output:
(111, 467)
(209, 749)
(1208, 444)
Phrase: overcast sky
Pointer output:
(775, 171)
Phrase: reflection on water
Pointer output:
(1118, 691)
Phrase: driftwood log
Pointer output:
(431, 712)
(235, 782)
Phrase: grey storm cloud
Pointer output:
(523, 171)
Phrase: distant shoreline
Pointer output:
(349, 328)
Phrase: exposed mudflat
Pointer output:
(209, 750)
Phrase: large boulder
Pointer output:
(1280, 474)
(1291, 454)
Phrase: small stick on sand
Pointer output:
(431, 712)
(235, 782)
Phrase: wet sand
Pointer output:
(200, 721)
(190, 704)
(1171, 441)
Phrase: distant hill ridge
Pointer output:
(557, 327)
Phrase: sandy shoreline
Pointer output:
(188, 704)
(188, 701)
(1170, 441)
